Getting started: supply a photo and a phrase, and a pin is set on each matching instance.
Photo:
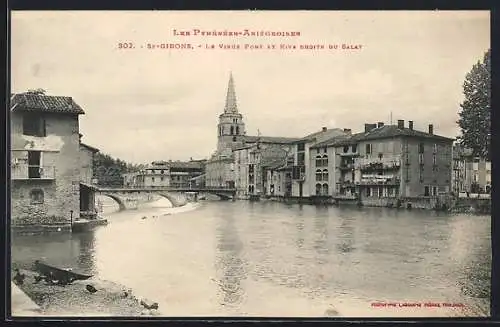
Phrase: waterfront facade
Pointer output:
(477, 175)
(165, 174)
(51, 170)
(308, 159)
(471, 174)
(400, 162)
(378, 165)
(251, 162)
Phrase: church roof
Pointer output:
(270, 139)
(231, 106)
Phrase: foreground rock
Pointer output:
(109, 299)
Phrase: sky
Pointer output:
(146, 104)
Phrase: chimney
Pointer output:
(410, 124)
(369, 127)
(380, 124)
(323, 129)
(401, 124)
(431, 129)
(347, 130)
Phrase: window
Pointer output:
(435, 148)
(232, 130)
(319, 161)
(317, 150)
(434, 159)
(250, 168)
(346, 149)
(234, 138)
(368, 191)
(318, 189)
(237, 130)
(421, 158)
(325, 189)
(421, 148)
(301, 147)
(33, 124)
(325, 160)
(153, 179)
(434, 190)
(354, 148)
(380, 155)
(368, 149)
(161, 172)
(325, 175)
(161, 178)
(301, 158)
(36, 196)
(426, 191)
(34, 169)
(421, 175)
(324, 150)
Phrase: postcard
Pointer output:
(250, 164)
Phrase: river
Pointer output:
(222, 258)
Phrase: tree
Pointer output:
(474, 119)
(108, 170)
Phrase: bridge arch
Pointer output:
(121, 205)
(223, 197)
(172, 198)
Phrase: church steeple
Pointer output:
(231, 128)
(231, 105)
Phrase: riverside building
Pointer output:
(51, 169)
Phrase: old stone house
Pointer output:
(51, 170)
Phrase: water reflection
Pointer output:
(346, 236)
(65, 250)
(245, 256)
(229, 264)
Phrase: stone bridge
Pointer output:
(130, 197)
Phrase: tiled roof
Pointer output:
(44, 103)
(393, 131)
(91, 148)
(185, 165)
(312, 136)
(386, 131)
(271, 139)
(339, 140)
(274, 164)
(238, 148)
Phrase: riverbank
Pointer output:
(110, 299)
(474, 206)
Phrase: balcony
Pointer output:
(349, 154)
(346, 166)
(390, 162)
(25, 172)
(379, 180)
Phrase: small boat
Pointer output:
(62, 276)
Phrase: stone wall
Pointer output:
(61, 149)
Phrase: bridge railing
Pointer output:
(166, 188)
